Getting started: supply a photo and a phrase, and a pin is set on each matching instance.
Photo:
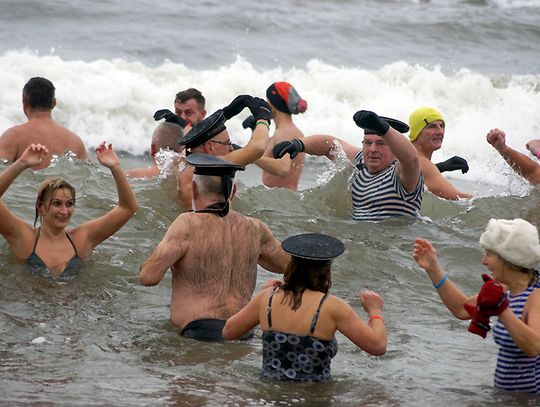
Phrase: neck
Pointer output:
(422, 151)
(518, 282)
(51, 232)
(281, 119)
(38, 114)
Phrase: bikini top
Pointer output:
(295, 357)
(37, 266)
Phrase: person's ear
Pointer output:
(194, 190)
(153, 149)
(53, 103)
(233, 193)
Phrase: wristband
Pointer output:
(264, 123)
(375, 317)
(440, 283)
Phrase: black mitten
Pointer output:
(369, 120)
(250, 123)
(452, 164)
(236, 106)
(260, 109)
(169, 117)
(293, 147)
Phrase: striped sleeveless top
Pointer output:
(382, 195)
(515, 371)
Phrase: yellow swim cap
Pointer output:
(420, 118)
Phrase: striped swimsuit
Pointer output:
(515, 370)
(382, 195)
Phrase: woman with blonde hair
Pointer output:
(51, 249)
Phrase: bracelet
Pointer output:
(375, 317)
(440, 283)
(264, 122)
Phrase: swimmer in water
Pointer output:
(51, 249)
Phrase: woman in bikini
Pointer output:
(51, 249)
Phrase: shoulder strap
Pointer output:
(72, 244)
(269, 310)
(35, 241)
(316, 316)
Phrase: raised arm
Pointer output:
(523, 165)
(260, 137)
(99, 229)
(171, 249)
(317, 144)
(14, 229)
(370, 337)
(437, 184)
(424, 254)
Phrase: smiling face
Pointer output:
(377, 154)
(495, 264)
(431, 136)
(57, 210)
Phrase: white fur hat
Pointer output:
(515, 240)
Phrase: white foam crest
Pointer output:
(115, 100)
(509, 4)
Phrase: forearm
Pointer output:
(522, 164)
(523, 335)
(321, 145)
(279, 168)
(403, 149)
(126, 196)
(452, 297)
(9, 175)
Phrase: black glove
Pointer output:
(452, 164)
(235, 146)
(260, 109)
(293, 147)
(169, 117)
(369, 120)
(250, 122)
(236, 106)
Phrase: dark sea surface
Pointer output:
(102, 339)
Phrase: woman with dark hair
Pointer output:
(51, 249)
(299, 317)
(512, 293)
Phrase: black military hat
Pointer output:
(204, 130)
(396, 124)
(206, 164)
(313, 246)
(216, 166)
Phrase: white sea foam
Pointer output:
(115, 100)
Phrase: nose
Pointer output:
(484, 260)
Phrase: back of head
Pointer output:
(420, 118)
(284, 97)
(191, 93)
(516, 241)
(39, 93)
(209, 186)
(166, 136)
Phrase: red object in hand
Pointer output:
(491, 301)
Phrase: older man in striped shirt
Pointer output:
(388, 181)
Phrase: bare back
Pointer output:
(43, 130)
(216, 275)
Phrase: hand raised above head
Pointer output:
(107, 156)
(33, 155)
(496, 138)
(236, 106)
(371, 301)
(370, 120)
(260, 109)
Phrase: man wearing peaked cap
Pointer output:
(388, 179)
(427, 134)
(213, 253)
(210, 136)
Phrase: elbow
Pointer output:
(147, 280)
(378, 349)
(228, 333)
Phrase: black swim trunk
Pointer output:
(207, 330)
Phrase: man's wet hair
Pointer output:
(191, 93)
(39, 92)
